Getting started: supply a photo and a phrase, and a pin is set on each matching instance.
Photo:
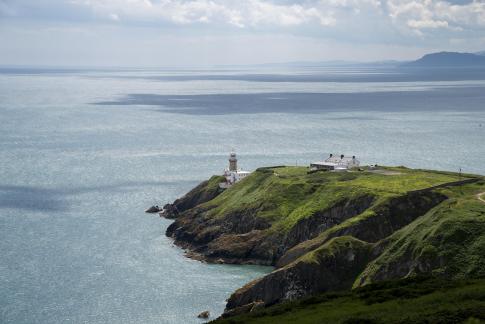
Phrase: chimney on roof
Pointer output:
(341, 156)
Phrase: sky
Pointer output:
(165, 33)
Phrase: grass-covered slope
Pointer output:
(414, 300)
(448, 241)
(285, 195)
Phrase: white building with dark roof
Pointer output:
(335, 162)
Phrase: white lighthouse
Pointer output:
(233, 174)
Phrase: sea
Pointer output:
(83, 152)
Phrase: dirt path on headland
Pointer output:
(480, 197)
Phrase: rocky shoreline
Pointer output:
(330, 249)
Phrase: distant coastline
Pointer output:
(448, 59)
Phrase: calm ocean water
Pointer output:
(83, 153)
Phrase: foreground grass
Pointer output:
(412, 300)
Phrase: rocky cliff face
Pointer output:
(237, 238)
(333, 266)
(243, 238)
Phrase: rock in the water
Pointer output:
(204, 314)
(152, 210)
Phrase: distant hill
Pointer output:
(448, 59)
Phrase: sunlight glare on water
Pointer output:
(76, 175)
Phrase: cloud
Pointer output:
(403, 16)
(430, 14)
(429, 23)
(175, 26)
(240, 14)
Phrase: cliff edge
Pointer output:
(329, 231)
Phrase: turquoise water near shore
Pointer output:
(83, 153)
